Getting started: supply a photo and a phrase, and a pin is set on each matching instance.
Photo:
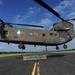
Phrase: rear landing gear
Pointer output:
(65, 46)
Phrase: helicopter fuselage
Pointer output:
(35, 36)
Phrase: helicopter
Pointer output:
(61, 33)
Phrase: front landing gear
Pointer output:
(57, 47)
(21, 46)
(46, 48)
(65, 46)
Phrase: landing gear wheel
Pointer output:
(21, 46)
(65, 46)
(57, 47)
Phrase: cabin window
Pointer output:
(68, 34)
(43, 34)
(5, 32)
(55, 34)
(50, 33)
(15, 36)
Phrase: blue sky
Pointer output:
(29, 12)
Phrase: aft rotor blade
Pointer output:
(1, 21)
(70, 19)
(26, 25)
(48, 8)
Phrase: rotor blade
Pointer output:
(26, 25)
(48, 8)
(70, 19)
(1, 21)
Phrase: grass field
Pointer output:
(7, 55)
(34, 53)
(14, 54)
(64, 51)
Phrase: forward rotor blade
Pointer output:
(48, 8)
(26, 25)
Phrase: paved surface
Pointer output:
(56, 64)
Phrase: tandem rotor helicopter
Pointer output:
(61, 33)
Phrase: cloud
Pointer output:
(10, 47)
(71, 44)
(66, 9)
(47, 15)
(63, 5)
(18, 19)
(63, 8)
(45, 21)
(31, 12)
(71, 15)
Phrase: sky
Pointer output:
(29, 12)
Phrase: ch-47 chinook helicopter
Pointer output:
(61, 32)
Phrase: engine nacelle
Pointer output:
(63, 26)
